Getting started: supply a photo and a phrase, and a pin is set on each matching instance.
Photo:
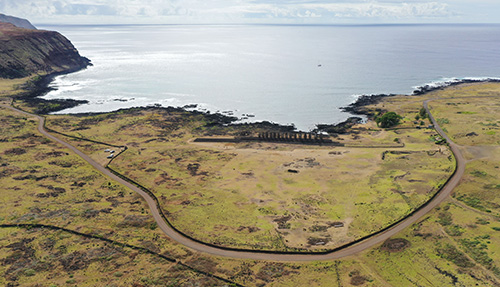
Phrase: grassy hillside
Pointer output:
(18, 22)
(25, 52)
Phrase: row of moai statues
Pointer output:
(291, 137)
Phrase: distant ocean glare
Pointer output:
(285, 74)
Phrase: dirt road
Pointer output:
(263, 255)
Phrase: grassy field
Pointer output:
(42, 183)
(458, 244)
(244, 195)
(12, 87)
(452, 246)
(455, 245)
(474, 121)
(39, 257)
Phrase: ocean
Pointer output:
(286, 74)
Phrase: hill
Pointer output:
(18, 22)
(25, 52)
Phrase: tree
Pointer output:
(423, 113)
(388, 120)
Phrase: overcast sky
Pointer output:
(253, 11)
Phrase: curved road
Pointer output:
(256, 255)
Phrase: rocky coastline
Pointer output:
(429, 88)
(358, 107)
(40, 86)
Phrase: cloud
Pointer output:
(219, 11)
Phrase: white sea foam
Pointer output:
(250, 69)
(445, 82)
(62, 86)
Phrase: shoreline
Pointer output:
(335, 253)
(356, 109)
(40, 85)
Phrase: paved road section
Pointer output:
(260, 255)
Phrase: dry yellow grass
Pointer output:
(12, 87)
(427, 261)
(243, 195)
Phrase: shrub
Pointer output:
(454, 230)
(450, 253)
(478, 173)
(422, 113)
(476, 249)
(445, 218)
(482, 221)
(388, 120)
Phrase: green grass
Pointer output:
(440, 252)
(246, 188)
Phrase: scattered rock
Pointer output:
(273, 271)
(54, 191)
(79, 184)
(357, 279)
(283, 222)
(15, 151)
(56, 154)
(317, 241)
(151, 246)
(398, 177)
(472, 134)
(22, 255)
(336, 224)
(251, 229)
(395, 245)
(340, 128)
(318, 228)
(74, 261)
(202, 263)
(135, 221)
(193, 168)
(64, 164)
(90, 213)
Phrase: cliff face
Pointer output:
(24, 52)
(18, 22)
